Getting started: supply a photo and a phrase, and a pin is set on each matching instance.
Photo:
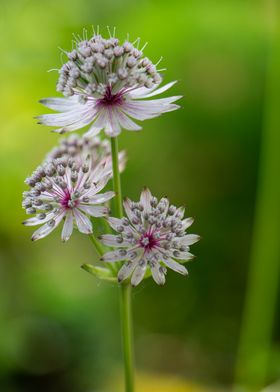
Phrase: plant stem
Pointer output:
(125, 288)
(116, 177)
(263, 275)
(126, 325)
(96, 244)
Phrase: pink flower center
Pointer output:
(148, 241)
(67, 202)
(110, 99)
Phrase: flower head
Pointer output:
(83, 147)
(152, 235)
(105, 84)
(67, 187)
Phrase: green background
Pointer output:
(59, 327)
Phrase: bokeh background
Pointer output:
(59, 326)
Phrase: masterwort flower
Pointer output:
(106, 84)
(67, 187)
(152, 235)
(82, 147)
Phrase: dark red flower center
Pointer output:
(148, 241)
(67, 202)
(110, 99)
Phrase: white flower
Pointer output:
(106, 85)
(153, 235)
(67, 188)
(82, 147)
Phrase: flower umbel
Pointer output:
(82, 147)
(105, 84)
(67, 187)
(153, 235)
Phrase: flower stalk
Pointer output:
(127, 335)
(125, 288)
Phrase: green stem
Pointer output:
(116, 177)
(125, 289)
(96, 244)
(263, 276)
(126, 325)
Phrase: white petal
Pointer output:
(46, 229)
(115, 223)
(127, 207)
(112, 128)
(96, 211)
(127, 123)
(157, 273)
(187, 223)
(183, 256)
(60, 104)
(61, 119)
(157, 90)
(145, 199)
(116, 255)
(93, 131)
(113, 240)
(139, 273)
(83, 222)
(126, 270)
(67, 227)
(101, 197)
(135, 110)
(36, 221)
(177, 267)
(189, 239)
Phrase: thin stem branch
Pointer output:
(127, 335)
(125, 288)
(96, 244)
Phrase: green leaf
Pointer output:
(100, 272)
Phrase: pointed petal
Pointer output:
(36, 221)
(187, 223)
(61, 104)
(83, 222)
(112, 128)
(145, 199)
(113, 240)
(95, 211)
(177, 267)
(126, 270)
(189, 239)
(127, 207)
(157, 273)
(116, 255)
(101, 197)
(46, 229)
(67, 227)
(157, 91)
(139, 273)
(93, 131)
(127, 123)
(115, 223)
(183, 255)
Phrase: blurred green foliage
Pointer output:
(59, 326)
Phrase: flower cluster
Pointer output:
(67, 187)
(152, 235)
(82, 147)
(105, 84)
